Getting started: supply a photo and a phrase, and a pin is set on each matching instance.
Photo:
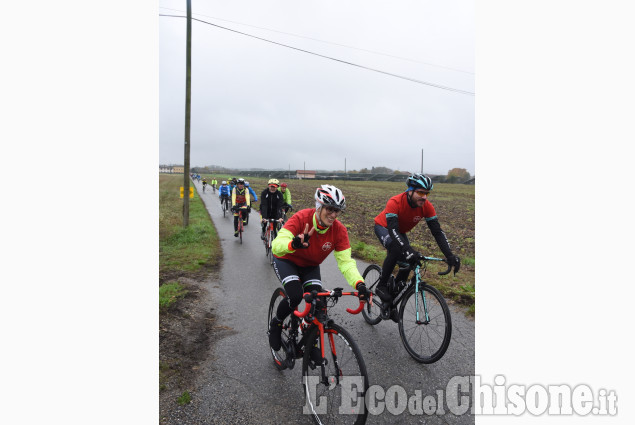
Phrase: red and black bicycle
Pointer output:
(333, 370)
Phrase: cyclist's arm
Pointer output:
(392, 224)
(348, 267)
(233, 197)
(281, 245)
(439, 236)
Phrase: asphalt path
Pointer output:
(239, 383)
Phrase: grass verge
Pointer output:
(184, 250)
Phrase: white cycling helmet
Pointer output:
(223, 182)
(330, 196)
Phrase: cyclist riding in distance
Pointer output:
(214, 183)
(271, 201)
(298, 253)
(240, 198)
(286, 194)
(401, 214)
(204, 183)
(232, 183)
(223, 192)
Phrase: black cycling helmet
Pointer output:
(419, 181)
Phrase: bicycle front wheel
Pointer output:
(280, 358)
(427, 335)
(267, 244)
(334, 386)
(372, 313)
(270, 253)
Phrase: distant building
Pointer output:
(305, 174)
(172, 169)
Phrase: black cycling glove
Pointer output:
(296, 243)
(454, 261)
(411, 255)
(362, 292)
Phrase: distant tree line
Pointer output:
(455, 175)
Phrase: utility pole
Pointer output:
(421, 161)
(188, 98)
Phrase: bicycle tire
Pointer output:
(270, 253)
(348, 364)
(267, 248)
(372, 313)
(425, 342)
(280, 358)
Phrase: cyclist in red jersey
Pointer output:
(401, 214)
(298, 253)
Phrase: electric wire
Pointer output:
(331, 58)
(329, 42)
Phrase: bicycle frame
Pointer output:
(416, 278)
(309, 310)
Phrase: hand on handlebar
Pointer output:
(362, 292)
(454, 262)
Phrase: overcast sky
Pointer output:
(258, 104)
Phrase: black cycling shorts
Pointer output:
(287, 271)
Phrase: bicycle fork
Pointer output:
(424, 302)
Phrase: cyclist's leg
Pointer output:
(236, 224)
(392, 253)
(296, 281)
(287, 273)
(264, 229)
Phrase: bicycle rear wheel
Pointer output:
(372, 313)
(280, 358)
(427, 339)
(334, 386)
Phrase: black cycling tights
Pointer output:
(294, 292)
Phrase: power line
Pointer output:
(330, 42)
(331, 58)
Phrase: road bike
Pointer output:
(241, 225)
(224, 203)
(423, 316)
(204, 185)
(213, 188)
(333, 370)
(271, 231)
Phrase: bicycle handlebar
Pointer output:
(309, 298)
(440, 259)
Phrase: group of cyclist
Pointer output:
(273, 200)
(213, 182)
(311, 234)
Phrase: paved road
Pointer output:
(239, 384)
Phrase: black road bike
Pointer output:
(423, 316)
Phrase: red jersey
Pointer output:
(408, 217)
(320, 244)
